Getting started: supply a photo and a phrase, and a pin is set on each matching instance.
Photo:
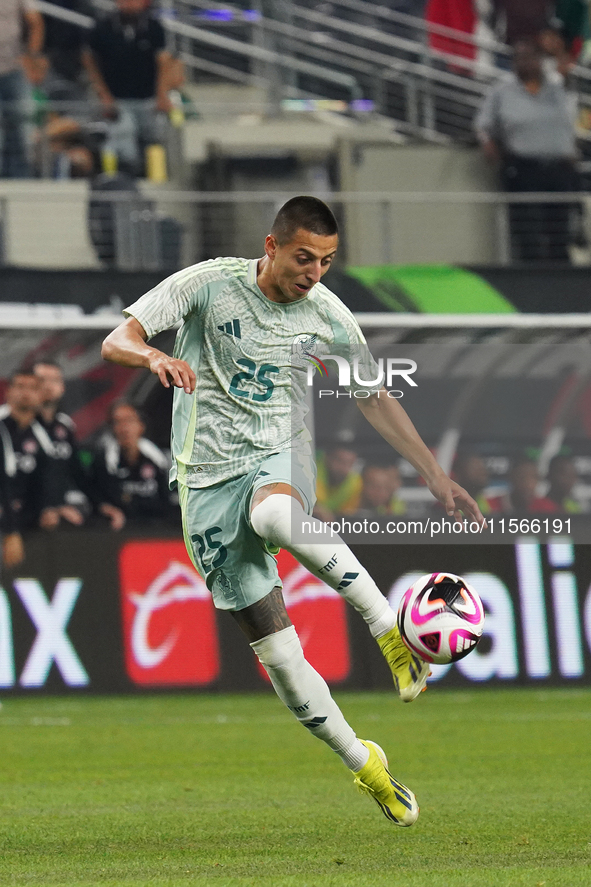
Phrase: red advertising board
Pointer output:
(112, 614)
(169, 630)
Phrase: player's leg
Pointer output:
(275, 509)
(242, 577)
(273, 638)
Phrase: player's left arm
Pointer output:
(390, 419)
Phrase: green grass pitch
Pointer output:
(229, 790)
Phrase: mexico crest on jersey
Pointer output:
(303, 345)
(302, 354)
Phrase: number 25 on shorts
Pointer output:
(206, 548)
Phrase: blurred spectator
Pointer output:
(562, 476)
(517, 20)
(572, 21)
(70, 482)
(338, 485)
(396, 505)
(521, 497)
(131, 472)
(525, 126)
(27, 444)
(378, 493)
(66, 148)
(65, 80)
(470, 472)
(12, 542)
(128, 66)
(16, 71)
(556, 59)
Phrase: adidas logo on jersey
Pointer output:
(232, 328)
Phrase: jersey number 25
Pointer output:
(259, 374)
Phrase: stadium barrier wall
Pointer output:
(68, 224)
(422, 289)
(96, 612)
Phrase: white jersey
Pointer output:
(251, 357)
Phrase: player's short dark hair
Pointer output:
(307, 213)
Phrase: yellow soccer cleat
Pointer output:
(409, 671)
(397, 803)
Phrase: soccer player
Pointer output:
(244, 469)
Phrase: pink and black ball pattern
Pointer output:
(441, 618)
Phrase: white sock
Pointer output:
(333, 562)
(307, 696)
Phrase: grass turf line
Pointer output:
(230, 791)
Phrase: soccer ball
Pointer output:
(441, 618)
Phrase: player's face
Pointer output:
(127, 426)
(24, 393)
(52, 382)
(298, 265)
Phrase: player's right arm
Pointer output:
(127, 345)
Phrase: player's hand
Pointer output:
(13, 550)
(457, 502)
(169, 369)
(114, 515)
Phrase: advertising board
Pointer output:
(99, 612)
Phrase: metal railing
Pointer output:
(431, 94)
(349, 49)
(166, 230)
(405, 79)
(382, 16)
